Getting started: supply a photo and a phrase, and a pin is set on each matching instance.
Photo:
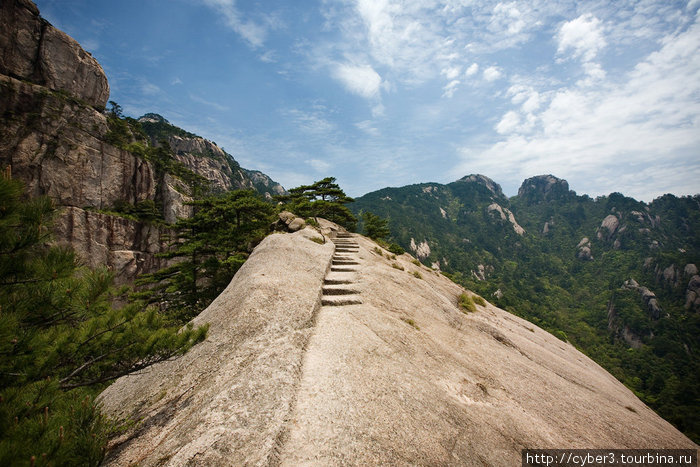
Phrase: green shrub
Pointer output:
(479, 300)
(416, 262)
(466, 303)
(410, 322)
(397, 266)
(396, 249)
(417, 275)
(318, 240)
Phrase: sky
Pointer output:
(605, 94)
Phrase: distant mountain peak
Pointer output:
(544, 188)
(153, 118)
(493, 187)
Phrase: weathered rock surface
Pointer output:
(54, 140)
(543, 188)
(647, 296)
(608, 227)
(492, 186)
(207, 159)
(692, 294)
(505, 213)
(33, 50)
(405, 378)
(125, 247)
(584, 249)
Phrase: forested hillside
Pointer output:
(614, 276)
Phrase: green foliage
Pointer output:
(539, 277)
(397, 266)
(61, 340)
(396, 249)
(209, 248)
(479, 300)
(374, 226)
(466, 303)
(324, 199)
(318, 240)
(411, 323)
(417, 275)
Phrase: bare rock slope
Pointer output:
(338, 354)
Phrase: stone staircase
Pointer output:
(337, 286)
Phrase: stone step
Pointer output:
(337, 281)
(340, 301)
(342, 269)
(345, 250)
(341, 262)
(339, 291)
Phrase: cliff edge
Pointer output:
(339, 354)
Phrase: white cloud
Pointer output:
(255, 34)
(506, 17)
(492, 73)
(368, 127)
(451, 72)
(614, 137)
(311, 121)
(359, 79)
(149, 89)
(214, 105)
(450, 88)
(472, 70)
(318, 165)
(582, 36)
(508, 123)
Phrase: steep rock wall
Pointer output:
(31, 49)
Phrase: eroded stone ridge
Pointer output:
(31, 49)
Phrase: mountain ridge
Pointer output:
(400, 374)
(572, 270)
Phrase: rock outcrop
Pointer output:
(584, 249)
(207, 159)
(692, 294)
(399, 377)
(647, 296)
(492, 186)
(33, 50)
(506, 214)
(543, 188)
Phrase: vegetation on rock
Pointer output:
(62, 340)
(579, 297)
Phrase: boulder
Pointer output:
(296, 224)
(33, 50)
(692, 295)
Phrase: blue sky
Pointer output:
(605, 94)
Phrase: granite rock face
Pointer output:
(54, 137)
(492, 186)
(404, 378)
(544, 188)
(33, 50)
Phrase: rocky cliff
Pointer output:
(56, 138)
(341, 354)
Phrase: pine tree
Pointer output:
(209, 248)
(375, 227)
(323, 198)
(61, 341)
